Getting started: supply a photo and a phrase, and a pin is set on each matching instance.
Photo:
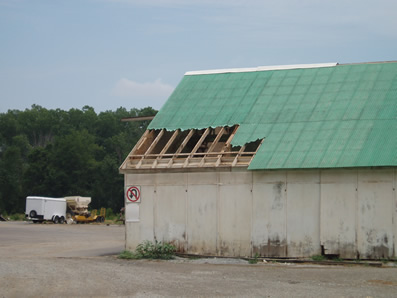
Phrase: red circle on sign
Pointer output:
(133, 194)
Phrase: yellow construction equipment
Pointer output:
(77, 211)
(91, 216)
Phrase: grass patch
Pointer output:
(385, 261)
(254, 260)
(113, 222)
(193, 258)
(17, 217)
(151, 250)
(318, 258)
(126, 254)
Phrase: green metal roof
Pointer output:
(328, 117)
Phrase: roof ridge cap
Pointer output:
(260, 68)
(374, 62)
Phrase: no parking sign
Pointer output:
(132, 194)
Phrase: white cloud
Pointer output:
(128, 88)
(143, 94)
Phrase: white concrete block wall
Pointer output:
(235, 209)
(170, 215)
(170, 209)
(136, 232)
(269, 214)
(338, 212)
(395, 214)
(375, 213)
(202, 218)
(303, 213)
(348, 213)
(202, 214)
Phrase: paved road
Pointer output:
(25, 239)
(55, 260)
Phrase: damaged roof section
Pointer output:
(193, 148)
(321, 116)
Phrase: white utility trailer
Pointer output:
(40, 209)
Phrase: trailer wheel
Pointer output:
(32, 214)
(98, 219)
(62, 220)
(102, 219)
(56, 219)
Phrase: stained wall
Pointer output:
(351, 213)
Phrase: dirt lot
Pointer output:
(76, 260)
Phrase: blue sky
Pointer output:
(132, 53)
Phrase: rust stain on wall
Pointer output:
(278, 193)
(273, 248)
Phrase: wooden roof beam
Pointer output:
(257, 148)
(229, 140)
(124, 164)
(151, 147)
(143, 140)
(205, 134)
(170, 141)
(217, 138)
(226, 146)
(187, 138)
(154, 143)
(200, 141)
(213, 145)
(138, 118)
(238, 155)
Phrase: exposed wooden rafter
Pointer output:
(212, 149)
(202, 138)
(136, 119)
(226, 147)
(144, 142)
(238, 155)
(152, 145)
(213, 145)
(218, 137)
(164, 150)
(187, 138)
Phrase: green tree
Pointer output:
(58, 153)
(12, 166)
(74, 163)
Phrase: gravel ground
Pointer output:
(53, 260)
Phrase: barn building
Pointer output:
(288, 161)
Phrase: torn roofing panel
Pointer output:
(341, 116)
(206, 148)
